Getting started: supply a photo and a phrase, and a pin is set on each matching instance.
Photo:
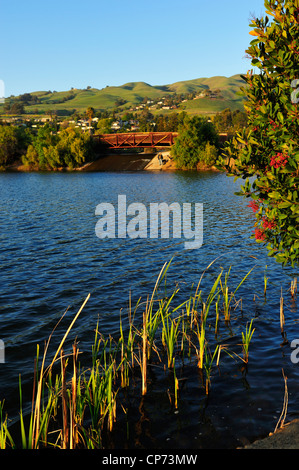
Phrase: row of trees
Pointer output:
(46, 150)
(197, 143)
(224, 121)
(14, 108)
(147, 122)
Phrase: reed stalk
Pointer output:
(153, 320)
(282, 320)
(68, 330)
(201, 330)
(228, 297)
(65, 429)
(294, 288)
(176, 387)
(280, 422)
(5, 436)
(201, 335)
(41, 411)
(170, 334)
(217, 314)
(281, 315)
(73, 401)
(208, 364)
(265, 283)
(124, 358)
(246, 339)
(144, 355)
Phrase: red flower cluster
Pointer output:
(273, 124)
(254, 206)
(268, 224)
(259, 234)
(279, 160)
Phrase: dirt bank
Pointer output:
(132, 162)
(161, 162)
(120, 162)
(110, 162)
(166, 163)
(285, 438)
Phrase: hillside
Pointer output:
(220, 93)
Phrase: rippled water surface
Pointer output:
(50, 259)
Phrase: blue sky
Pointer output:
(69, 43)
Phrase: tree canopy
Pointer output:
(268, 149)
(48, 150)
(197, 143)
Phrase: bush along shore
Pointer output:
(45, 150)
(78, 407)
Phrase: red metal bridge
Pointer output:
(136, 139)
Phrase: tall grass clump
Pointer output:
(78, 407)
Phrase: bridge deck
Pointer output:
(137, 139)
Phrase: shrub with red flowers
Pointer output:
(268, 224)
(268, 149)
(254, 206)
(279, 160)
(259, 234)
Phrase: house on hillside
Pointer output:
(116, 125)
(134, 125)
(119, 124)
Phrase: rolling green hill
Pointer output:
(130, 95)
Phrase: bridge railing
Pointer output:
(137, 139)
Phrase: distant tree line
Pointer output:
(224, 121)
(15, 105)
(11, 107)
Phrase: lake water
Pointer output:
(51, 258)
